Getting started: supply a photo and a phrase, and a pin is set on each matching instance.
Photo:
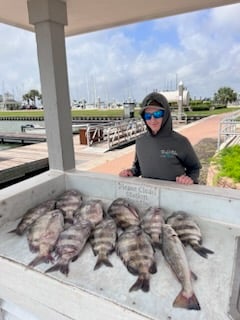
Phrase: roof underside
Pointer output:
(91, 15)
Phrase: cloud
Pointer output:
(201, 48)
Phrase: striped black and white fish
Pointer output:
(188, 232)
(124, 213)
(69, 202)
(43, 235)
(151, 223)
(103, 240)
(135, 250)
(32, 215)
(92, 211)
(70, 244)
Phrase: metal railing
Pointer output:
(229, 130)
(116, 133)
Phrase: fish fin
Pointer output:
(62, 267)
(193, 276)
(202, 251)
(153, 268)
(101, 261)
(40, 259)
(17, 231)
(190, 303)
(141, 283)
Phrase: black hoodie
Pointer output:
(167, 154)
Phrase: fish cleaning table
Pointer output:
(103, 293)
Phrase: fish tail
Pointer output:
(40, 259)
(102, 261)
(141, 283)
(62, 267)
(202, 251)
(190, 303)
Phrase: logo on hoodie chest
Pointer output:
(168, 153)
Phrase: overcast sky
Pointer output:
(202, 49)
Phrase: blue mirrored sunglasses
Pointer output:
(156, 114)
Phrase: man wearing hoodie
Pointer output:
(162, 153)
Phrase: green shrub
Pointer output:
(228, 162)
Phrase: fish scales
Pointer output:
(43, 235)
(69, 202)
(135, 250)
(124, 213)
(103, 241)
(32, 215)
(92, 211)
(174, 254)
(70, 244)
(152, 222)
(188, 231)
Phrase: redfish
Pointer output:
(174, 254)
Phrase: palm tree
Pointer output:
(225, 95)
(32, 95)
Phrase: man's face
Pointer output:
(154, 123)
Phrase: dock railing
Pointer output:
(229, 130)
(115, 133)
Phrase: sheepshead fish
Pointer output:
(188, 231)
(32, 215)
(92, 211)
(135, 250)
(174, 254)
(151, 223)
(103, 240)
(69, 202)
(124, 213)
(43, 235)
(70, 244)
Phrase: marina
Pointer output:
(86, 162)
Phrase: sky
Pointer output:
(201, 49)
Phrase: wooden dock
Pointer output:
(19, 163)
(23, 138)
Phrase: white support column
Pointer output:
(180, 100)
(49, 18)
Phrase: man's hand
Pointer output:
(184, 180)
(126, 173)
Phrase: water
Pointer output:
(14, 126)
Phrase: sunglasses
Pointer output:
(156, 114)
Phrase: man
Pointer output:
(162, 153)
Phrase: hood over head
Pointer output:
(158, 100)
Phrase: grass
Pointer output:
(104, 113)
(228, 162)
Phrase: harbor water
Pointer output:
(15, 126)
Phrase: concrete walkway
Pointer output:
(196, 131)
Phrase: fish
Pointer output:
(135, 250)
(103, 240)
(124, 213)
(151, 223)
(92, 211)
(32, 215)
(173, 251)
(43, 235)
(188, 231)
(70, 244)
(69, 202)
